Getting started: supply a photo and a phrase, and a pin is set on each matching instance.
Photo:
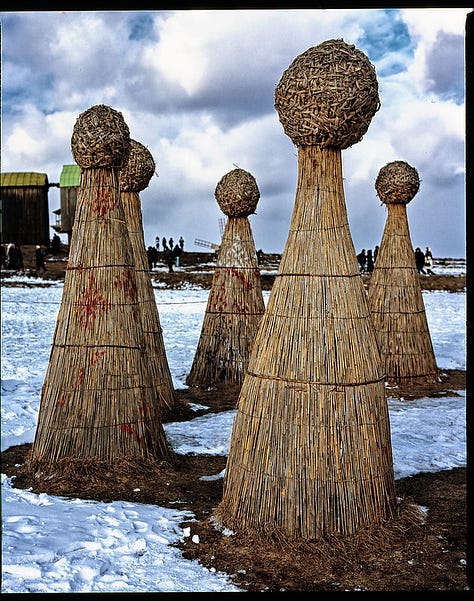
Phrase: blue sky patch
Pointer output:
(141, 27)
(387, 34)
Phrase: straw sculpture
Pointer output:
(235, 304)
(310, 453)
(394, 294)
(97, 400)
(133, 178)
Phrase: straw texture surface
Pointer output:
(97, 399)
(237, 193)
(328, 96)
(394, 295)
(135, 177)
(234, 309)
(397, 182)
(310, 451)
(139, 169)
(100, 138)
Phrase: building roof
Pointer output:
(16, 179)
(70, 176)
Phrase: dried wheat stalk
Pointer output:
(394, 294)
(133, 178)
(97, 399)
(235, 304)
(310, 451)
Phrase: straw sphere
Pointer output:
(327, 96)
(397, 183)
(139, 170)
(100, 138)
(237, 193)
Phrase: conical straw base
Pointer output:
(155, 347)
(234, 309)
(310, 451)
(97, 400)
(396, 304)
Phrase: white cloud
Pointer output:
(425, 25)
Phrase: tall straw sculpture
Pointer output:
(235, 305)
(133, 178)
(310, 452)
(394, 294)
(97, 400)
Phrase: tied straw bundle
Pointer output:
(133, 178)
(394, 295)
(235, 304)
(97, 400)
(310, 453)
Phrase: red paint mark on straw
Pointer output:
(94, 303)
(104, 201)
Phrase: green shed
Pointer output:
(69, 181)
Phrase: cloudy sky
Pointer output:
(196, 87)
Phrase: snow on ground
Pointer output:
(54, 544)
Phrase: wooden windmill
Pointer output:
(134, 178)
(394, 294)
(97, 400)
(235, 304)
(213, 245)
(310, 451)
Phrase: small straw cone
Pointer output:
(134, 178)
(394, 294)
(235, 304)
(97, 401)
(310, 452)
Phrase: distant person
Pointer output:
(176, 253)
(10, 254)
(150, 255)
(39, 259)
(164, 244)
(370, 261)
(15, 258)
(419, 260)
(428, 261)
(362, 259)
(181, 243)
(157, 244)
(55, 244)
(3, 256)
(171, 243)
(155, 256)
(170, 259)
(376, 252)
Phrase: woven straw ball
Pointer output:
(139, 170)
(237, 193)
(100, 138)
(397, 183)
(327, 96)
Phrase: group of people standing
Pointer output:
(367, 260)
(424, 261)
(171, 252)
(11, 255)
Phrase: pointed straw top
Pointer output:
(100, 138)
(327, 96)
(397, 183)
(237, 193)
(139, 170)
